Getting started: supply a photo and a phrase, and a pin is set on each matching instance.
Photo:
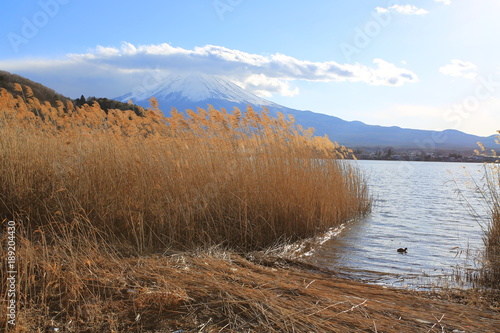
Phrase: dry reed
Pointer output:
(212, 177)
(489, 276)
(91, 190)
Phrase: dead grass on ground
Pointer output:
(87, 286)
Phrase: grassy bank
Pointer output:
(490, 275)
(91, 191)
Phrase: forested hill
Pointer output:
(41, 92)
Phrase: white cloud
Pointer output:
(402, 9)
(460, 68)
(264, 86)
(446, 2)
(381, 10)
(116, 70)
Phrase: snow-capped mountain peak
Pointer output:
(195, 87)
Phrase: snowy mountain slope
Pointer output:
(195, 88)
(200, 90)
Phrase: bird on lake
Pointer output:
(401, 250)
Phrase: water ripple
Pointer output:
(419, 209)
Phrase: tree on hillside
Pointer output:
(388, 155)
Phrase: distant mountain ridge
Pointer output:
(200, 90)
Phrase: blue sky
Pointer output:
(427, 64)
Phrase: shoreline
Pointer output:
(218, 291)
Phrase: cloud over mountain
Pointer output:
(262, 74)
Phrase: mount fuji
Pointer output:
(196, 90)
(200, 90)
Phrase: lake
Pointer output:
(417, 206)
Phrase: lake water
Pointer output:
(416, 206)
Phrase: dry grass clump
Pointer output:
(209, 177)
(490, 274)
(71, 278)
